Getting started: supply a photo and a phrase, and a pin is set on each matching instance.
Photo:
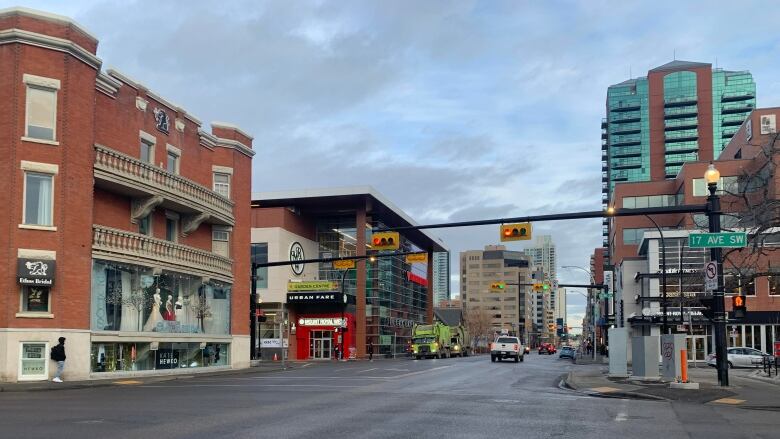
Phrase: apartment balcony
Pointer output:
(681, 124)
(121, 245)
(627, 128)
(626, 152)
(733, 120)
(150, 186)
(681, 112)
(737, 96)
(604, 166)
(680, 101)
(737, 107)
(624, 106)
(603, 123)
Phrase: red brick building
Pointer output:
(637, 253)
(126, 225)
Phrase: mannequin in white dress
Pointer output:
(155, 315)
(179, 308)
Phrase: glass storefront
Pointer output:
(396, 295)
(131, 298)
(128, 357)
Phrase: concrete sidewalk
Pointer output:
(33, 386)
(743, 390)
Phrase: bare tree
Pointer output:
(479, 325)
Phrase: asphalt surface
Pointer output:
(452, 398)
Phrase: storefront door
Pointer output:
(320, 345)
(697, 347)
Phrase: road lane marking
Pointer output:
(367, 370)
(731, 401)
(128, 382)
(621, 417)
(604, 389)
(421, 371)
(256, 385)
(398, 370)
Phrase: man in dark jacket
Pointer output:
(371, 351)
(58, 355)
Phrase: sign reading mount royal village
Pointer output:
(35, 272)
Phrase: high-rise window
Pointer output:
(173, 163)
(147, 151)
(145, 225)
(220, 242)
(38, 198)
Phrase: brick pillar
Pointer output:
(360, 306)
(429, 292)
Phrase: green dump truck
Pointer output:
(431, 341)
(460, 342)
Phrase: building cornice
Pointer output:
(151, 94)
(107, 85)
(9, 36)
(234, 144)
(230, 126)
(27, 12)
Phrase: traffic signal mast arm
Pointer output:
(341, 258)
(690, 208)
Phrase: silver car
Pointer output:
(741, 357)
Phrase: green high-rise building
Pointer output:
(681, 111)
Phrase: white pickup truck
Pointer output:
(507, 346)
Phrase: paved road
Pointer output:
(453, 398)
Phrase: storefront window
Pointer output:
(131, 298)
(33, 361)
(128, 357)
(35, 299)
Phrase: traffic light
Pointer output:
(385, 241)
(540, 287)
(515, 232)
(497, 286)
(739, 307)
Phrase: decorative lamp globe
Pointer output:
(712, 176)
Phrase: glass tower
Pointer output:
(626, 140)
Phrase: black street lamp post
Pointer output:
(712, 176)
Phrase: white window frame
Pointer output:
(221, 229)
(41, 83)
(175, 217)
(150, 140)
(46, 361)
(151, 225)
(38, 168)
(221, 170)
(170, 149)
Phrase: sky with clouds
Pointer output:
(453, 110)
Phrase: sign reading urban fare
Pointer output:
(317, 285)
(325, 321)
(417, 257)
(321, 297)
(35, 272)
(344, 264)
(723, 239)
(296, 254)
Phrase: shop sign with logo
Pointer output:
(273, 343)
(334, 298)
(167, 359)
(35, 272)
(322, 285)
(296, 254)
(33, 359)
(396, 322)
(417, 258)
(324, 321)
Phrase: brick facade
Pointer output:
(108, 110)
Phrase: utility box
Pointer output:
(671, 345)
(644, 356)
(618, 352)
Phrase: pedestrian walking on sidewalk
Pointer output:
(58, 355)
(371, 351)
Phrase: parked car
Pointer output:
(740, 357)
(507, 347)
(566, 352)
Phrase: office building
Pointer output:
(441, 277)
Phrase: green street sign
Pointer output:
(723, 239)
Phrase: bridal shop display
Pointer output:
(163, 319)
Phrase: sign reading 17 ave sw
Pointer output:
(723, 239)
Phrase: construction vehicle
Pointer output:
(460, 342)
(431, 341)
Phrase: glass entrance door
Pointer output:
(697, 347)
(320, 345)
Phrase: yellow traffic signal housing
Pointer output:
(515, 232)
(497, 286)
(385, 241)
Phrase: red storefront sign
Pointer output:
(318, 335)
(777, 349)
(417, 279)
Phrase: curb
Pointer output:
(566, 383)
(43, 386)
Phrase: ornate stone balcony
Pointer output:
(120, 245)
(150, 186)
